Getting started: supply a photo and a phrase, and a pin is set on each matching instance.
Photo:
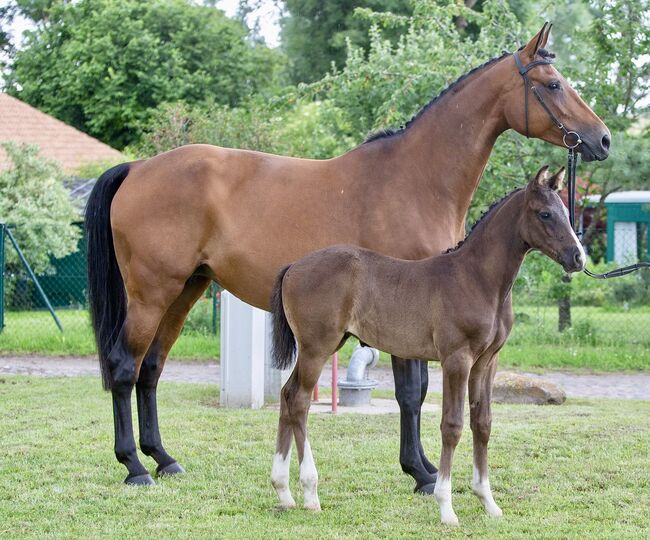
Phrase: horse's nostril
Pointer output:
(577, 258)
(606, 142)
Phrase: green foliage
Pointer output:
(283, 126)
(315, 33)
(103, 66)
(34, 201)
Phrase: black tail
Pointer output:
(284, 344)
(106, 293)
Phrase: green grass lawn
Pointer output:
(580, 470)
(601, 339)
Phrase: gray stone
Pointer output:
(516, 388)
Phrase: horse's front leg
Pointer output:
(480, 395)
(455, 373)
(409, 390)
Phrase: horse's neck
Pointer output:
(495, 251)
(446, 150)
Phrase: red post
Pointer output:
(335, 368)
(315, 398)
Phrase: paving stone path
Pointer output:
(607, 385)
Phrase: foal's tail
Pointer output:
(106, 293)
(284, 343)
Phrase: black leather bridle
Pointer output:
(571, 140)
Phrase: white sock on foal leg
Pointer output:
(442, 493)
(280, 479)
(309, 479)
(481, 488)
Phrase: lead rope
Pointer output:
(572, 163)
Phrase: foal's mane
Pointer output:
(484, 216)
(389, 132)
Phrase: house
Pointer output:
(65, 286)
(58, 141)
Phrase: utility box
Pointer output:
(628, 221)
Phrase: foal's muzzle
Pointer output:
(572, 259)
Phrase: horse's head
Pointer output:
(544, 222)
(534, 78)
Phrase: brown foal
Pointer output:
(455, 308)
(159, 230)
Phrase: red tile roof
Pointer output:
(58, 141)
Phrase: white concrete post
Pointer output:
(243, 343)
(247, 378)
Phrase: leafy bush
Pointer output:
(35, 203)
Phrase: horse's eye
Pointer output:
(553, 85)
(544, 215)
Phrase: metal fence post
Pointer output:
(40, 290)
(2, 276)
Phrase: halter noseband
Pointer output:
(572, 161)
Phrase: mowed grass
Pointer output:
(35, 332)
(601, 339)
(580, 470)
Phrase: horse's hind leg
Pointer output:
(124, 361)
(152, 366)
(480, 395)
(282, 458)
(309, 366)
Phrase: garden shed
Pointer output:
(628, 220)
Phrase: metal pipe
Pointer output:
(363, 358)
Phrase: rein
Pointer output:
(571, 140)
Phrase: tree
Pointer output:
(103, 66)
(315, 33)
(34, 201)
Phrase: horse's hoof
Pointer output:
(140, 480)
(170, 470)
(426, 489)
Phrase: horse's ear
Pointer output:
(556, 182)
(538, 42)
(541, 178)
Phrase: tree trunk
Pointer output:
(564, 305)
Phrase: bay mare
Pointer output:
(159, 230)
(455, 308)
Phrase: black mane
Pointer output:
(389, 132)
(485, 214)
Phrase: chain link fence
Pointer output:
(46, 313)
(583, 314)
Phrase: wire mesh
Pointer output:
(611, 313)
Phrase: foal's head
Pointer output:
(544, 222)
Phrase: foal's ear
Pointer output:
(556, 182)
(538, 42)
(541, 178)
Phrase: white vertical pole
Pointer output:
(243, 344)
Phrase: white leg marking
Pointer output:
(442, 493)
(309, 479)
(481, 488)
(280, 480)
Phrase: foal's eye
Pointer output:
(544, 215)
(553, 85)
